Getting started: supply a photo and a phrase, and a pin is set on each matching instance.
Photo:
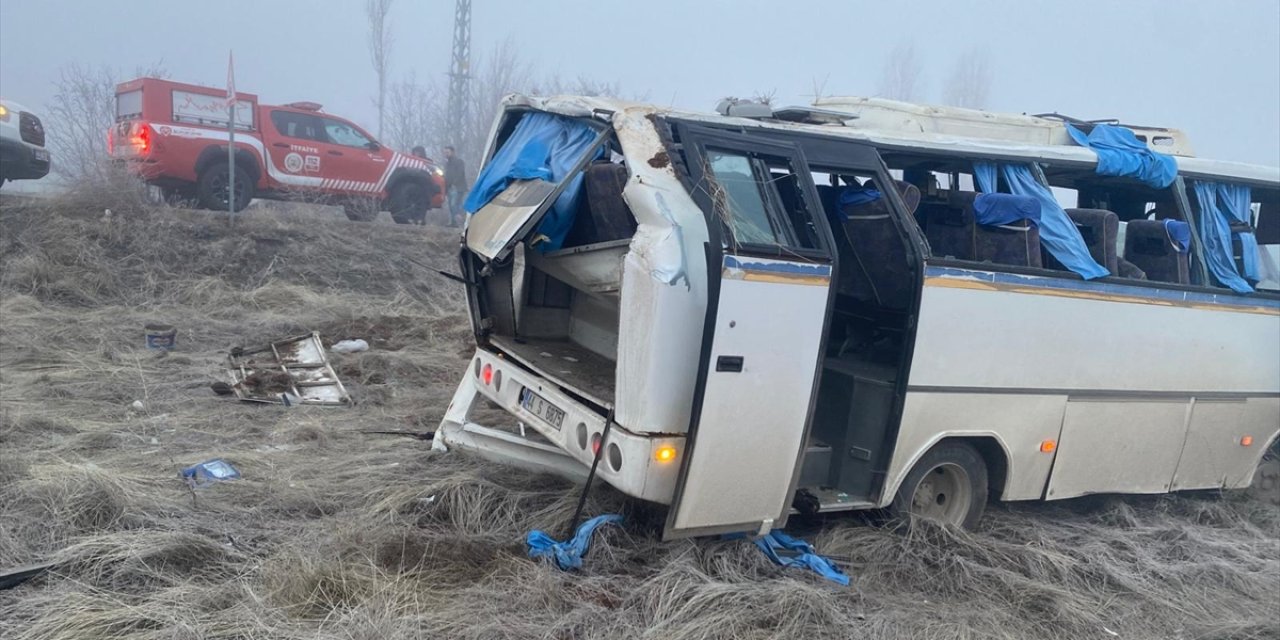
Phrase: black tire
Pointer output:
(211, 187)
(409, 201)
(1266, 478)
(947, 477)
(361, 209)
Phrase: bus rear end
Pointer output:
(546, 255)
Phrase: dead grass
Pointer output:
(335, 534)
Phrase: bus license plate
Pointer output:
(539, 406)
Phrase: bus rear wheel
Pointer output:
(1266, 479)
(948, 485)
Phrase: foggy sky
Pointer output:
(1209, 68)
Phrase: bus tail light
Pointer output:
(487, 374)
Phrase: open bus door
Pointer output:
(769, 277)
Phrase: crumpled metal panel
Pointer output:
(290, 371)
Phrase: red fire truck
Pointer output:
(175, 136)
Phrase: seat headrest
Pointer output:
(909, 193)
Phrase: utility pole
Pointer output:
(459, 70)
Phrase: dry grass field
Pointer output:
(334, 533)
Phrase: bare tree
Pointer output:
(416, 112)
(82, 109)
(414, 115)
(970, 81)
(580, 86)
(900, 79)
(380, 42)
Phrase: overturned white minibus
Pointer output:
(799, 312)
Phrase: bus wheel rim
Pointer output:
(943, 495)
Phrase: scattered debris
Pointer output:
(162, 337)
(426, 436)
(138, 406)
(786, 551)
(289, 371)
(10, 578)
(350, 346)
(209, 472)
(222, 388)
(568, 554)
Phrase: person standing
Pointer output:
(455, 185)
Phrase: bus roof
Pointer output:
(925, 143)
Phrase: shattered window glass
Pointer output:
(742, 196)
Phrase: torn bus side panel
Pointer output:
(290, 371)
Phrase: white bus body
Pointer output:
(855, 368)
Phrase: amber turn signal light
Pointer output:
(1048, 446)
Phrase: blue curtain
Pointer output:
(1234, 199)
(1121, 153)
(1005, 208)
(1215, 234)
(542, 146)
(1058, 233)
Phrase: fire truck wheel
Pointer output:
(211, 187)
(409, 202)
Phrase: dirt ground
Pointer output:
(334, 533)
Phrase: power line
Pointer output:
(459, 69)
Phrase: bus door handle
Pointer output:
(332, 152)
(731, 364)
(282, 145)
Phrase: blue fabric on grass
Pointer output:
(807, 557)
(1215, 235)
(542, 146)
(1121, 153)
(800, 554)
(1058, 233)
(567, 554)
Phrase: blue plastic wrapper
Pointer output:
(209, 472)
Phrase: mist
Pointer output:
(1211, 69)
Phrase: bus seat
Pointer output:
(1099, 228)
(878, 253)
(1148, 246)
(1268, 231)
(606, 216)
(952, 230)
(851, 280)
(1131, 271)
